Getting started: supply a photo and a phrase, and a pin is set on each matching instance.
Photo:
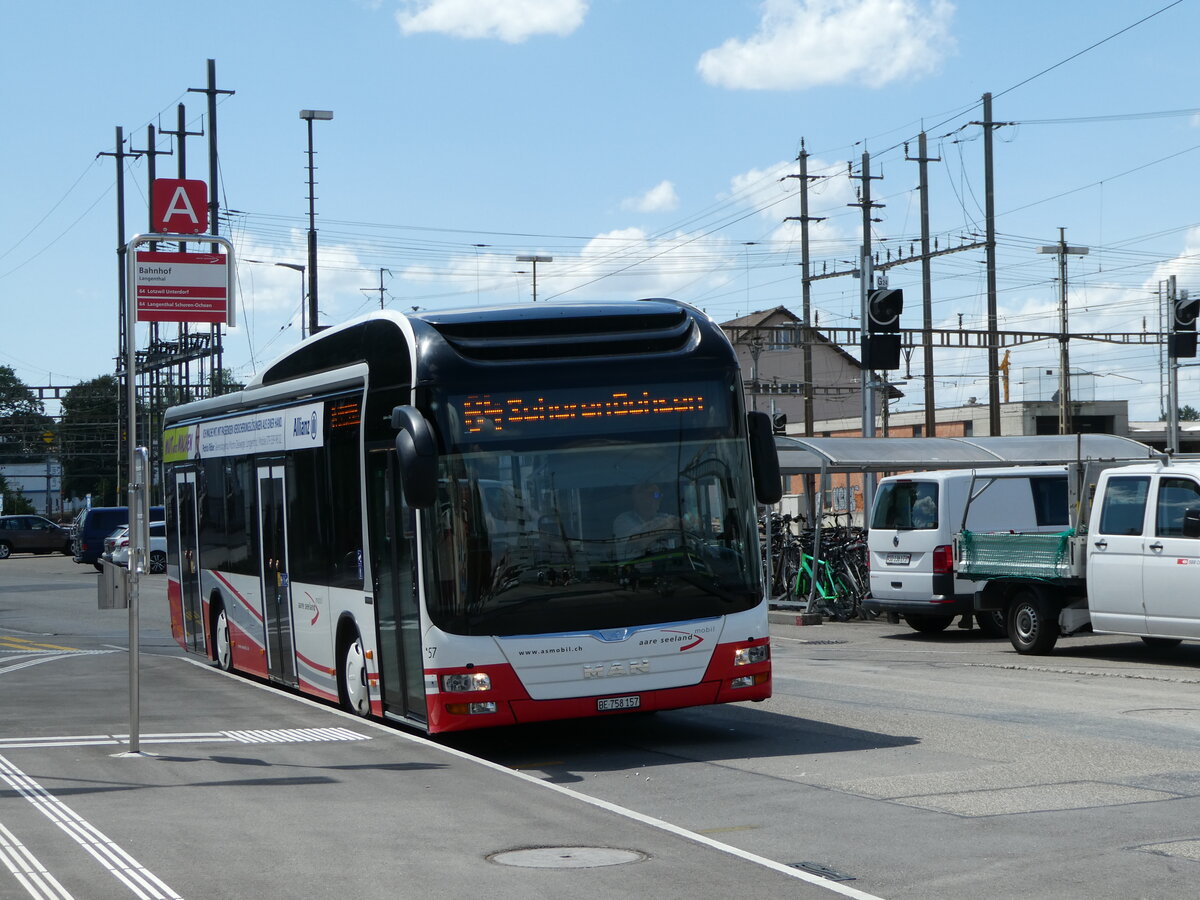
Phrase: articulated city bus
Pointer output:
(481, 517)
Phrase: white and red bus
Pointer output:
(445, 519)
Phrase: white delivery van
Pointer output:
(911, 536)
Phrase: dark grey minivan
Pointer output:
(32, 534)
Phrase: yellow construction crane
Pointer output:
(1003, 367)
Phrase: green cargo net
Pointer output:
(1006, 555)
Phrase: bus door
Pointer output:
(276, 588)
(397, 607)
(189, 561)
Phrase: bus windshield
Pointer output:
(591, 534)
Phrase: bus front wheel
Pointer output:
(352, 676)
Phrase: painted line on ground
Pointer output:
(39, 657)
(140, 880)
(24, 644)
(253, 736)
(32, 875)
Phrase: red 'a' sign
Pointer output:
(179, 206)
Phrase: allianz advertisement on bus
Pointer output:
(273, 431)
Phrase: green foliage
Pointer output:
(23, 420)
(1189, 414)
(15, 502)
(91, 439)
(223, 382)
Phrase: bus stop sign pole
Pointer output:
(162, 282)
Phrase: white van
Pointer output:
(911, 537)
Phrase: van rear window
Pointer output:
(906, 505)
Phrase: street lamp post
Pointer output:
(529, 258)
(308, 115)
(297, 268)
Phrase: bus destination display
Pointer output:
(582, 411)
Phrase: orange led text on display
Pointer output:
(483, 410)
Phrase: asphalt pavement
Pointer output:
(241, 790)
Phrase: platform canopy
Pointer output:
(804, 455)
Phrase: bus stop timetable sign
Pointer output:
(182, 287)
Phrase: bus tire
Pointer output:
(222, 645)
(1032, 622)
(928, 624)
(353, 692)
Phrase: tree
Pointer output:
(90, 440)
(1189, 414)
(23, 420)
(15, 503)
(223, 382)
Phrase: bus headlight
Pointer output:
(747, 655)
(466, 681)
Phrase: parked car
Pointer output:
(110, 542)
(96, 523)
(158, 548)
(32, 534)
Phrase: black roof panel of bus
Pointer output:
(566, 330)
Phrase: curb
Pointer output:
(787, 617)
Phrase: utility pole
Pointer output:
(1172, 374)
(182, 134)
(993, 350)
(380, 288)
(1062, 251)
(309, 115)
(806, 286)
(152, 371)
(923, 161)
(1166, 321)
(866, 284)
(120, 154)
(214, 196)
(535, 259)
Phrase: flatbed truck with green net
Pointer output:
(1128, 563)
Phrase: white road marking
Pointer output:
(140, 880)
(257, 736)
(25, 867)
(48, 656)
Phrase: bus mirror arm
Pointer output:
(417, 452)
(764, 458)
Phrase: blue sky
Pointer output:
(641, 143)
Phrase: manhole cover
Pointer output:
(566, 857)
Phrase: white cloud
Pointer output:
(805, 43)
(511, 21)
(776, 196)
(660, 198)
